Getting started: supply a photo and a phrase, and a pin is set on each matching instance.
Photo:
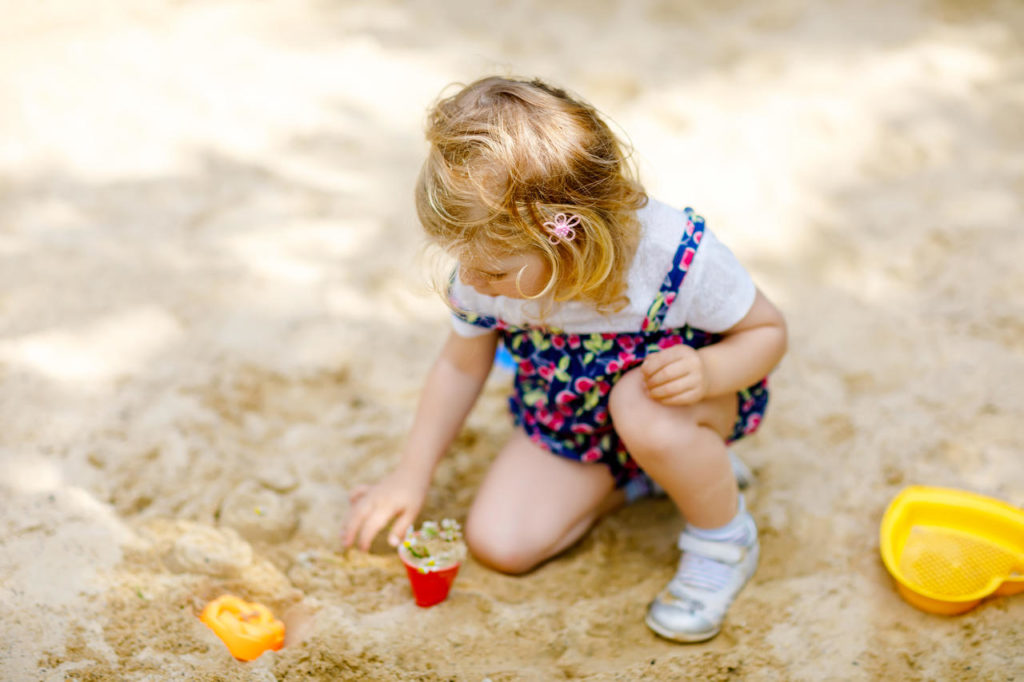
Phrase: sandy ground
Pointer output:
(214, 322)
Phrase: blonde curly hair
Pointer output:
(508, 155)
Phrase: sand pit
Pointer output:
(214, 323)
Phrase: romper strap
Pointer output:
(681, 262)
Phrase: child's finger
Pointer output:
(686, 397)
(667, 374)
(399, 527)
(673, 388)
(377, 520)
(357, 515)
(357, 493)
(655, 361)
(658, 362)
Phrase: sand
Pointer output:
(214, 322)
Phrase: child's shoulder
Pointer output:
(659, 211)
(661, 224)
(661, 229)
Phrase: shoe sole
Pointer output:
(685, 637)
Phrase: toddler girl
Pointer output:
(641, 348)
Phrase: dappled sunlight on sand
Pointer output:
(109, 348)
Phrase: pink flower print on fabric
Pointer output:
(669, 341)
(591, 455)
(687, 258)
(553, 420)
(584, 384)
(561, 229)
(562, 401)
(547, 372)
(624, 360)
(753, 421)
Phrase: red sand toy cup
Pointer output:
(248, 629)
(429, 587)
(432, 556)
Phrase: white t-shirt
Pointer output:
(717, 291)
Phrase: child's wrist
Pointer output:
(416, 465)
(707, 373)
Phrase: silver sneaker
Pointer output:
(692, 606)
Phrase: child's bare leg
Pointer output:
(682, 448)
(533, 505)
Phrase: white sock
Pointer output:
(735, 532)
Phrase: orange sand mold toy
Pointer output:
(248, 629)
(949, 549)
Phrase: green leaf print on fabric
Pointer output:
(597, 345)
(560, 373)
(659, 301)
(535, 397)
(590, 400)
(540, 339)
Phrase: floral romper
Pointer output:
(562, 381)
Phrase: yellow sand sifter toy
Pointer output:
(949, 549)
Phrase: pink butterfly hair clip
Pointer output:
(561, 228)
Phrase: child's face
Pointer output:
(520, 275)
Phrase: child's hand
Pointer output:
(373, 507)
(676, 376)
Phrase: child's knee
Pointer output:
(647, 426)
(497, 546)
(625, 402)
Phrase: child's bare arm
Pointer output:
(749, 350)
(451, 389)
